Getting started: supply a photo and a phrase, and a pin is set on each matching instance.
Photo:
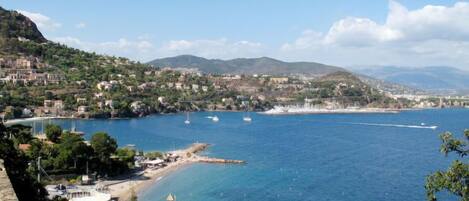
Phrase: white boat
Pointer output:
(187, 121)
(246, 117)
(215, 119)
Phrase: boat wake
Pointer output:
(209, 117)
(398, 125)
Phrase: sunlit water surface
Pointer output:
(301, 157)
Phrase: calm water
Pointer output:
(303, 157)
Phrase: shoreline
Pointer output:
(299, 110)
(317, 111)
(16, 121)
(141, 182)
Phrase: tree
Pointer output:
(71, 148)
(16, 164)
(20, 133)
(53, 132)
(126, 155)
(103, 145)
(456, 178)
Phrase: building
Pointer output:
(82, 109)
(279, 80)
(104, 85)
(81, 100)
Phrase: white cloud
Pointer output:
(42, 21)
(432, 35)
(136, 49)
(218, 48)
(430, 22)
(353, 31)
(143, 49)
(80, 25)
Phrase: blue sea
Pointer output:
(336, 157)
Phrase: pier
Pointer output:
(191, 154)
(121, 188)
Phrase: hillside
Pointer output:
(43, 78)
(435, 79)
(15, 25)
(348, 89)
(263, 65)
(390, 87)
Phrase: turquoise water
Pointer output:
(301, 157)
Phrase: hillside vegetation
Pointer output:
(263, 65)
(44, 78)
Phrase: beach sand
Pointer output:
(123, 188)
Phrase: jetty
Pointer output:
(121, 188)
(191, 154)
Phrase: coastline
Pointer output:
(140, 182)
(275, 111)
(278, 110)
(16, 121)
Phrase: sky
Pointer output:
(350, 33)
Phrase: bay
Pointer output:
(299, 157)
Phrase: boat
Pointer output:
(422, 124)
(246, 117)
(215, 119)
(187, 121)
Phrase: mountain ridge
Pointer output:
(261, 65)
(432, 78)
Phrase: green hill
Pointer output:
(263, 65)
(16, 25)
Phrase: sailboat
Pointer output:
(187, 121)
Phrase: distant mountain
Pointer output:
(436, 79)
(263, 65)
(390, 87)
(15, 25)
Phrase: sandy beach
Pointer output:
(123, 188)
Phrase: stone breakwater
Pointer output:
(7, 193)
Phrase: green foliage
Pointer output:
(16, 164)
(456, 178)
(71, 148)
(14, 25)
(153, 155)
(126, 156)
(21, 134)
(103, 145)
(53, 132)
